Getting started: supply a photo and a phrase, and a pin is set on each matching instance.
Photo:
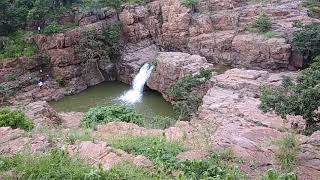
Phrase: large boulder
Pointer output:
(172, 66)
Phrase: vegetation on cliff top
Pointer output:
(15, 45)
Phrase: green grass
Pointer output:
(14, 119)
(112, 113)
(163, 153)
(58, 165)
(288, 152)
(17, 47)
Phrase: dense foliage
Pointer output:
(14, 119)
(187, 102)
(163, 154)
(307, 40)
(15, 14)
(113, 113)
(15, 46)
(300, 98)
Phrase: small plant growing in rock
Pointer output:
(113, 113)
(263, 23)
(14, 119)
(60, 80)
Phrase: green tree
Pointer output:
(300, 98)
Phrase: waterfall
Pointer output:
(136, 92)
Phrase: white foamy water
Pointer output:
(136, 92)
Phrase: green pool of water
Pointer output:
(152, 103)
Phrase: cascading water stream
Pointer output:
(136, 92)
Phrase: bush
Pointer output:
(186, 102)
(263, 23)
(301, 98)
(113, 113)
(185, 108)
(288, 153)
(307, 41)
(52, 29)
(14, 119)
(17, 47)
(217, 166)
(275, 175)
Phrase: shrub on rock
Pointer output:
(113, 113)
(263, 23)
(14, 119)
(300, 98)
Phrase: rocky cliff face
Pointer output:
(217, 30)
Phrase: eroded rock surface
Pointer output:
(16, 140)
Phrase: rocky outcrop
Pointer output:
(16, 140)
(217, 30)
(231, 116)
(42, 114)
(100, 153)
(172, 66)
(71, 119)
